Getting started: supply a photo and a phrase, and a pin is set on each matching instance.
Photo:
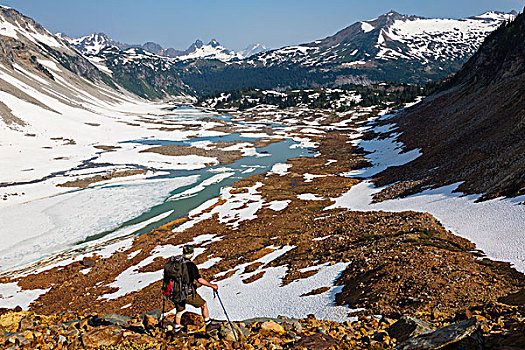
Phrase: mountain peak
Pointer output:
(253, 49)
(214, 43)
(152, 47)
(393, 15)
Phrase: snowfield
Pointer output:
(61, 221)
(496, 226)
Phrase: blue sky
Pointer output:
(234, 23)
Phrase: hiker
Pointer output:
(180, 275)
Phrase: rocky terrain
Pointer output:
(474, 130)
(492, 326)
(395, 264)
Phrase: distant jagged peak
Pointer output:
(89, 37)
(152, 47)
(253, 49)
(93, 43)
(214, 43)
(197, 44)
(496, 15)
(394, 14)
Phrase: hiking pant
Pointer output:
(194, 300)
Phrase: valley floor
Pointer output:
(283, 242)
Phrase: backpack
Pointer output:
(176, 285)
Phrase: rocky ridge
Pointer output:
(92, 44)
(472, 131)
(393, 36)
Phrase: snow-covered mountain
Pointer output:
(392, 36)
(52, 100)
(253, 50)
(93, 44)
(391, 47)
(212, 50)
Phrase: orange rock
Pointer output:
(272, 327)
(107, 336)
(149, 321)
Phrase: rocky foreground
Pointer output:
(494, 326)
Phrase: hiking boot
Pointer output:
(174, 334)
(211, 324)
(165, 324)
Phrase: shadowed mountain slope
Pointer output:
(474, 130)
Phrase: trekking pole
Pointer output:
(231, 325)
(162, 314)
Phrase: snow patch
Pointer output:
(11, 296)
(280, 169)
(309, 197)
(278, 205)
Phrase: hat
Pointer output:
(187, 251)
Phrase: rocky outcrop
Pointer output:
(490, 327)
(463, 335)
(408, 327)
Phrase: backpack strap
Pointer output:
(192, 284)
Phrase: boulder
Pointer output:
(213, 333)
(143, 340)
(17, 339)
(149, 321)
(271, 328)
(274, 346)
(380, 336)
(164, 324)
(226, 332)
(26, 323)
(462, 335)
(463, 315)
(114, 319)
(10, 337)
(61, 340)
(88, 262)
(105, 336)
(241, 327)
(155, 313)
(23, 342)
(515, 299)
(292, 326)
(192, 319)
(316, 342)
(297, 327)
(407, 327)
